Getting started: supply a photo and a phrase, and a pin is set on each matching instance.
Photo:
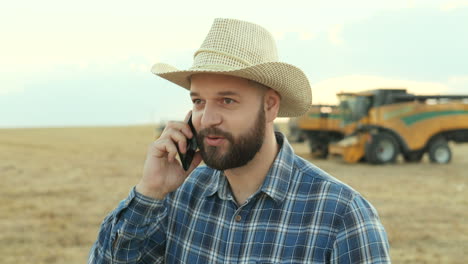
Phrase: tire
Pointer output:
(413, 156)
(319, 148)
(439, 152)
(301, 138)
(382, 149)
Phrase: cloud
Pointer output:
(306, 35)
(135, 67)
(459, 80)
(335, 35)
(10, 85)
(300, 34)
(97, 94)
(324, 92)
(452, 5)
(410, 4)
(9, 89)
(458, 84)
(413, 44)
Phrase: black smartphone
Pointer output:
(192, 146)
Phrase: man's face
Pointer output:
(229, 117)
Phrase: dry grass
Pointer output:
(58, 184)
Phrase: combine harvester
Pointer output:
(320, 126)
(380, 124)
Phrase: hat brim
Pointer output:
(289, 81)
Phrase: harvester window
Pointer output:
(355, 107)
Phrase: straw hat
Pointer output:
(246, 50)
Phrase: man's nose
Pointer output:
(211, 116)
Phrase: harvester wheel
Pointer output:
(319, 149)
(439, 152)
(382, 149)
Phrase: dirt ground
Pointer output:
(58, 184)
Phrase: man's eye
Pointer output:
(196, 101)
(228, 101)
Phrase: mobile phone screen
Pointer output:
(186, 159)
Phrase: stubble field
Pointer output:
(57, 184)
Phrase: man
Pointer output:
(255, 201)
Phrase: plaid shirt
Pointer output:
(299, 215)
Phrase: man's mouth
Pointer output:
(213, 140)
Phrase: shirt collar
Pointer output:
(219, 184)
(278, 178)
(276, 183)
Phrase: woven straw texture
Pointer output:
(238, 48)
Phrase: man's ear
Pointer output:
(272, 101)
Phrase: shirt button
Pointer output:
(238, 218)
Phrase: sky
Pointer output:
(87, 63)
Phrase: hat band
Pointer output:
(213, 67)
(230, 56)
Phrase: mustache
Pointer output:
(214, 131)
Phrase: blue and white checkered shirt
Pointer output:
(299, 215)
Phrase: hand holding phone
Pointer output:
(162, 173)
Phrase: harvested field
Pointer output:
(59, 183)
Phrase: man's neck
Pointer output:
(246, 180)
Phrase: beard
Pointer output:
(240, 150)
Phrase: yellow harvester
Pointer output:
(320, 126)
(381, 124)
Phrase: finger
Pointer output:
(187, 116)
(179, 139)
(171, 157)
(165, 148)
(174, 127)
(176, 161)
(186, 120)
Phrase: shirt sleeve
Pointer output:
(361, 237)
(135, 232)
